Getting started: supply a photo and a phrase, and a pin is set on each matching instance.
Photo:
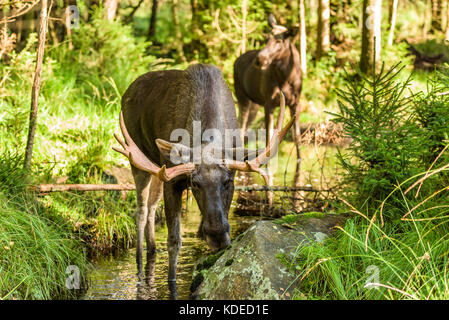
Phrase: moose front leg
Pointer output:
(296, 134)
(142, 181)
(269, 117)
(173, 202)
(295, 110)
(155, 195)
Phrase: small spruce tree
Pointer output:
(386, 141)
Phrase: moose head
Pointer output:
(278, 45)
(211, 178)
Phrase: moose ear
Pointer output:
(272, 21)
(175, 152)
(292, 31)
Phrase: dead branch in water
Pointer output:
(45, 188)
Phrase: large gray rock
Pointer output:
(250, 267)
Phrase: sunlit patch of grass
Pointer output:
(35, 250)
(405, 259)
(101, 220)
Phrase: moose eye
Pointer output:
(195, 185)
(227, 182)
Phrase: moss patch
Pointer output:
(229, 262)
(209, 261)
(314, 214)
(196, 281)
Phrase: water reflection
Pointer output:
(146, 286)
(116, 277)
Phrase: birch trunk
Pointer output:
(371, 35)
(302, 37)
(323, 39)
(392, 15)
(111, 9)
(43, 21)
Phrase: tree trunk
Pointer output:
(71, 22)
(153, 20)
(436, 6)
(323, 38)
(178, 33)
(302, 37)
(36, 84)
(195, 22)
(392, 12)
(244, 17)
(371, 35)
(111, 9)
(447, 22)
(427, 18)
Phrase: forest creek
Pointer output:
(102, 198)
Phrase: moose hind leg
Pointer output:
(253, 108)
(244, 112)
(142, 181)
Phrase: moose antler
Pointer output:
(270, 151)
(141, 161)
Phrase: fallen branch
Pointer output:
(45, 188)
(278, 188)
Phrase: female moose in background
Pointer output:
(259, 76)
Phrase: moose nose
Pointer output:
(262, 61)
(218, 242)
(217, 236)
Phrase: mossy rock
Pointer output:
(250, 269)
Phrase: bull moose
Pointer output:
(158, 104)
(259, 76)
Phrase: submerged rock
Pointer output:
(250, 268)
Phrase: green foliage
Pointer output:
(13, 178)
(386, 141)
(432, 111)
(397, 177)
(394, 139)
(104, 60)
(101, 220)
(79, 101)
(107, 49)
(406, 261)
(35, 249)
(320, 83)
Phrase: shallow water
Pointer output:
(115, 277)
